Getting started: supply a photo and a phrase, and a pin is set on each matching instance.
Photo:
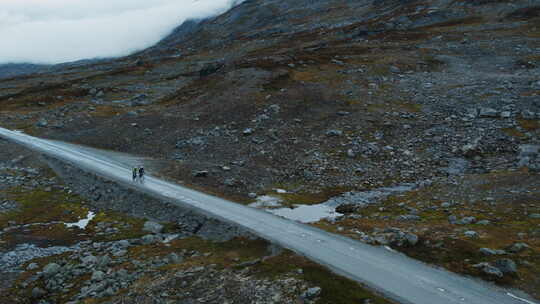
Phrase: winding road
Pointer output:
(394, 275)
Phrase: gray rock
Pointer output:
(274, 108)
(98, 276)
(506, 114)
(489, 251)
(394, 69)
(466, 220)
(152, 227)
(38, 293)
(123, 243)
(488, 113)
(32, 266)
(534, 215)
(89, 260)
(506, 266)
(489, 270)
(51, 269)
(103, 261)
(334, 133)
(312, 293)
(471, 234)
(149, 239)
(452, 219)
(412, 239)
(528, 150)
(42, 123)
(248, 131)
(120, 253)
(518, 247)
(483, 222)
(200, 173)
(408, 218)
(526, 114)
(173, 258)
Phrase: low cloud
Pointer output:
(56, 31)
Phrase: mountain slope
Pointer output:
(323, 97)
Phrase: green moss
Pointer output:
(39, 206)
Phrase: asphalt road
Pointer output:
(392, 274)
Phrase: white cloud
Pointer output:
(55, 31)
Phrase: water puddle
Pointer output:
(307, 213)
(82, 223)
(326, 210)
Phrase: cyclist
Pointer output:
(134, 173)
(141, 173)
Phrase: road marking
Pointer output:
(521, 299)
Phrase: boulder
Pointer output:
(528, 150)
(152, 227)
(51, 269)
(38, 293)
(149, 239)
(200, 173)
(312, 293)
(506, 266)
(518, 247)
(412, 239)
(466, 220)
(98, 276)
(488, 113)
(334, 133)
(173, 258)
(32, 266)
(89, 260)
(489, 251)
(489, 270)
(471, 234)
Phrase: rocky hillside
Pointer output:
(331, 102)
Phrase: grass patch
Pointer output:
(39, 206)
(529, 125)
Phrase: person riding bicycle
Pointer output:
(141, 173)
(134, 173)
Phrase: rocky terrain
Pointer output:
(59, 247)
(325, 106)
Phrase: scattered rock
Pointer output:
(312, 293)
(412, 239)
(489, 270)
(38, 293)
(201, 173)
(32, 266)
(152, 227)
(51, 269)
(518, 247)
(506, 266)
(471, 234)
(488, 113)
(489, 251)
(98, 276)
(334, 133)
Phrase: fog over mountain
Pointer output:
(56, 31)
